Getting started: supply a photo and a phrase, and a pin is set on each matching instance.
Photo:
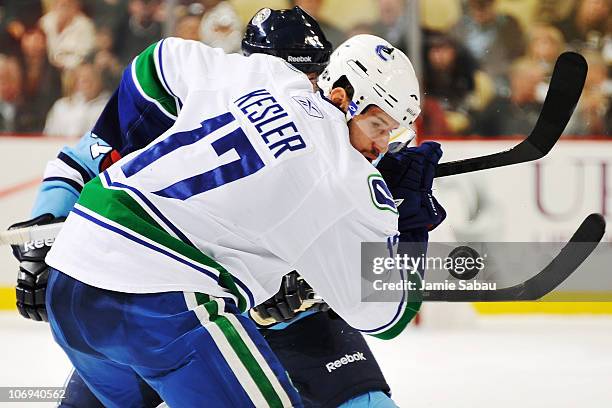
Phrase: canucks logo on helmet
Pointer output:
(384, 52)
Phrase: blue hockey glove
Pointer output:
(409, 174)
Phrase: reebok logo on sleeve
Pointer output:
(347, 359)
(309, 106)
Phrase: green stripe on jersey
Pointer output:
(244, 354)
(201, 298)
(120, 207)
(149, 81)
(412, 308)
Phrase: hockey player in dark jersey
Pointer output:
(306, 342)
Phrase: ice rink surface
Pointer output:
(506, 362)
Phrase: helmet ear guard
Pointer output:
(380, 75)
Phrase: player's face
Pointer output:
(313, 76)
(369, 132)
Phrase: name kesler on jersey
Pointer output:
(380, 194)
(271, 121)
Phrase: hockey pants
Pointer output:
(194, 350)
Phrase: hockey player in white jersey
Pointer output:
(291, 35)
(200, 225)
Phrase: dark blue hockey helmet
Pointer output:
(292, 35)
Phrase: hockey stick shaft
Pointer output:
(563, 93)
(34, 233)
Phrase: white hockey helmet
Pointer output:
(380, 74)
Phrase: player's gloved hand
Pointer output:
(409, 174)
(287, 302)
(33, 271)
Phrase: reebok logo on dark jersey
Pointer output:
(347, 359)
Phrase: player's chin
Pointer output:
(368, 155)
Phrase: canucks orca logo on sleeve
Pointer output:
(309, 106)
(380, 194)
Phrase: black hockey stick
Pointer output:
(579, 247)
(563, 94)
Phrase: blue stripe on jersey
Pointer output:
(140, 121)
(152, 207)
(173, 142)
(175, 229)
(248, 163)
(144, 243)
(163, 77)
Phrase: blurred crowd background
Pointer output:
(484, 64)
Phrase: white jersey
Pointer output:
(256, 178)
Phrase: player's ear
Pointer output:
(340, 98)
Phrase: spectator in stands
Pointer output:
(449, 77)
(108, 14)
(105, 60)
(139, 29)
(518, 113)
(70, 34)
(392, 24)
(220, 26)
(593, 115)
(313, 7)
(587, 25)
(432, 121)
(360, 28)
(16, 17)
(188, 27)
(495, 40)
(74, 115)
(10, 93)
(42, 84)
(545, 44)
(8, 43)
(551, 11)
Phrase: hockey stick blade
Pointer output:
(563, 93)
(580, 246)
